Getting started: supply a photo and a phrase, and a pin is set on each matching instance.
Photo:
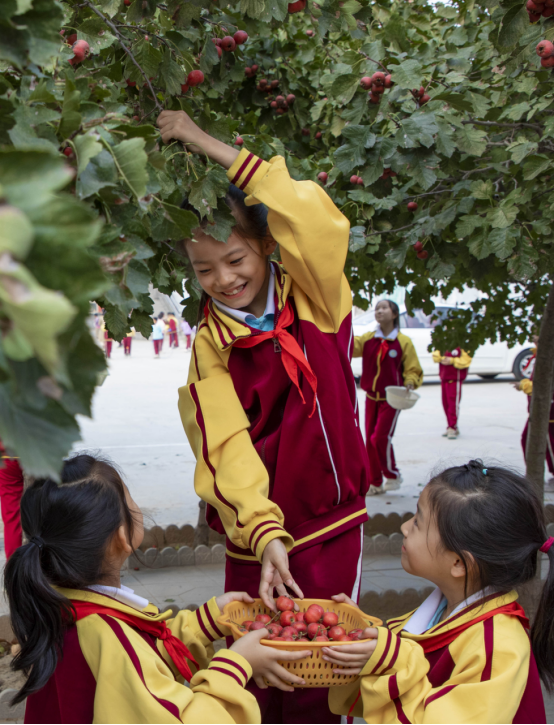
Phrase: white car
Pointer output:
(490, 360)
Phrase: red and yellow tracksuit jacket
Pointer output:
(112, 673)
(457, 372)
(387, 362)
(485, 674)
(266, 465)
(526, 386)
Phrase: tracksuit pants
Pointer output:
(11, 491)
(380, 423)
(173, 339)
(109, 344)
(327, 568)
(127, 345)
(549, 445)
(451, 396)
(157, 346)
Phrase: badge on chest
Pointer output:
(393, 353)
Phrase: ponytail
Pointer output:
(542, 631)
(70, 526)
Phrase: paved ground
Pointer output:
(136, 422)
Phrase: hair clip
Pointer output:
(485, 471)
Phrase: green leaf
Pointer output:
(514, 25)
(71, 118)
(417, 130)
(142, 322)
(471, 141)
(454, 100)
(172, 74)
(439, 269)
(467, 225)
(501, 242)
(344, 87)
(357, 239)
(131, 161)
(479, 245)
(99, 173)
(352, 154)
(29, 178)
(86, 147)
(482, 189)
(184, 220)
(521, 148)
(223, 223)
(16, 232)
(534, 166)
(408, 74)
(116, 321)
(500, 218)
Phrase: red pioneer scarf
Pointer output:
(383, 349)
(291, 354)
(177, 650)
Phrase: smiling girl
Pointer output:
(270, 408)
(465, 655)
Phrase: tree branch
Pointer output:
(377, 62)
(125, 48)
(145, 32)
(535, 126)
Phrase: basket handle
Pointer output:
(224, 620)
(370, 620)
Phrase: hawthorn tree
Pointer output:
(441, 162)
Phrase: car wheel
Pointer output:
(522, 370)
(488, 376)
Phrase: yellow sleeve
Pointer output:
(134, 685)
(526, 386)
(412, 369)
(312, 233)
(437, 357)
(462, 362)
(359, 343)
(229, 473)
(480, 689)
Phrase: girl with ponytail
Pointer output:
(467, 654)
(94, 651)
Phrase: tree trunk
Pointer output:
(541, 399)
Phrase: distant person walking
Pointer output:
(108, 341)
(453, 368)
(127, 342)
(187, 332)
(158, 332)
(173, 334)
(11, 491)
(388, 358)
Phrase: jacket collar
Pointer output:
(150, 612)
(226, 329)
(473, 610)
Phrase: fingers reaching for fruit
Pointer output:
(344, 599)
(276, 573)
(351, 659)
(264, 661)
(229, 597)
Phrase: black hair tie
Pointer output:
(37, 541)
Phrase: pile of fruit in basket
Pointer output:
(313, 625)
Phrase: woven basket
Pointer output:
(314, 670)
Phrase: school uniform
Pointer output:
(173, 336)
(11, 491)
(452, 377)
(127, 341)
(527, 387)
(108, 342)
(477, 666)
(270, 410)
(158, 332)
(390, 360)
(187, 332)
(115, 669)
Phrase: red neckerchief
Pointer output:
(443, 639)
(291, 354)
(177, 650)
(384, 348)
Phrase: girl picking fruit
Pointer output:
(270, 408)
(465, 655)
(389, 358)
(94, 651)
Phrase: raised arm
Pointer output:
(311, 231)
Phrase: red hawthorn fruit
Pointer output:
(184, 87)
(146, 38)
(388, 79)
(355, 633)
(131, 84)
(343, 638)
(68, 151)
(62, 33)
(248, 72)
(377, 89)
(254, 68)
(421, 92)
(127, 2)
(263, 82)
(534, 7)
(136, 118)
(310, 33)
(544, 49)
(215, 41)
(422, 255)
(219, 51)
(71, 39)
(300, 627)
(412, 206)
(274, 84)
(354, 179)
(365, 82)
(265, 618)
(239, 141)
(247, 624)
(547, 12)
(305, 132)
(360, 181)
(548, 62)
(288, 632)
(280, 100)
(321, 638)
(296, 7)
(314, 611)
(275, 628)
(81, 49)
(378, 78)
(418, 246)
(335, 632)
(330, 619)
(318, 135)
(534, 17)
(280, 111)
(284, 604)
(374, 98)
(286, 618)
(273, 104)
(195, 78)
(291, 98)
(323, 176)
(240, 37)
(424, 99)
(299, 617)
(316, 630)
(228, 44)
(256, 625)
